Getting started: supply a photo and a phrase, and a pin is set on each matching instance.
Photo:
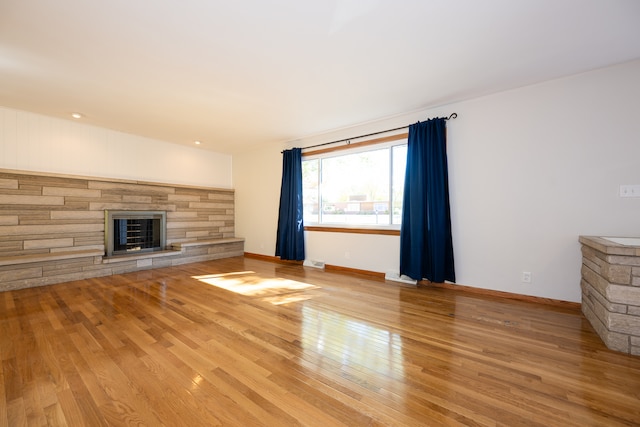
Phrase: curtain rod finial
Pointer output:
(453, 116)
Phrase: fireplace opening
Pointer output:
(129, 232)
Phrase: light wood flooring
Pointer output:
(245, 342)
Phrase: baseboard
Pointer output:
(501, 294)
(271, 258)
(327, 267)
(354, 271)
(426, 283)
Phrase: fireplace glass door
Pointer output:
(130, 232)
(135, 234)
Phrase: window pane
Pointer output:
(355, 188)
(310, 181)
(399, 166)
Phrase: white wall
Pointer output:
(32, 142)
(530, 170)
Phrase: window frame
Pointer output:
(386, 141)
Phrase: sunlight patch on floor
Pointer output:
(274, 289)
(287, 298)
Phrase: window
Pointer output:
(354, 187)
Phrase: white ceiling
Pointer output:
(236, 74)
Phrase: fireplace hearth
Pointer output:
(134, 232)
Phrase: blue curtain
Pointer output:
(426, 247)
(290, 238)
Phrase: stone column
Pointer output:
(611, 292)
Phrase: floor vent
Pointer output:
(313, 263)
(396, 277)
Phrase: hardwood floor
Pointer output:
(244, 342)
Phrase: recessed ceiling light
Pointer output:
(76, 115)
(197, 142)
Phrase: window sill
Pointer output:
(353, 230)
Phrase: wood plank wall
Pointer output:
(46, 214)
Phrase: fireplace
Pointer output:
(133, 232)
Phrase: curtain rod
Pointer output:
(452, 116)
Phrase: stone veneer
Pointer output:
(52, 226)
(611, 292)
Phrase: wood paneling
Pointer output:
(289, 345)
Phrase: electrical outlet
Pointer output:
(630, 191)
(526, 276)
